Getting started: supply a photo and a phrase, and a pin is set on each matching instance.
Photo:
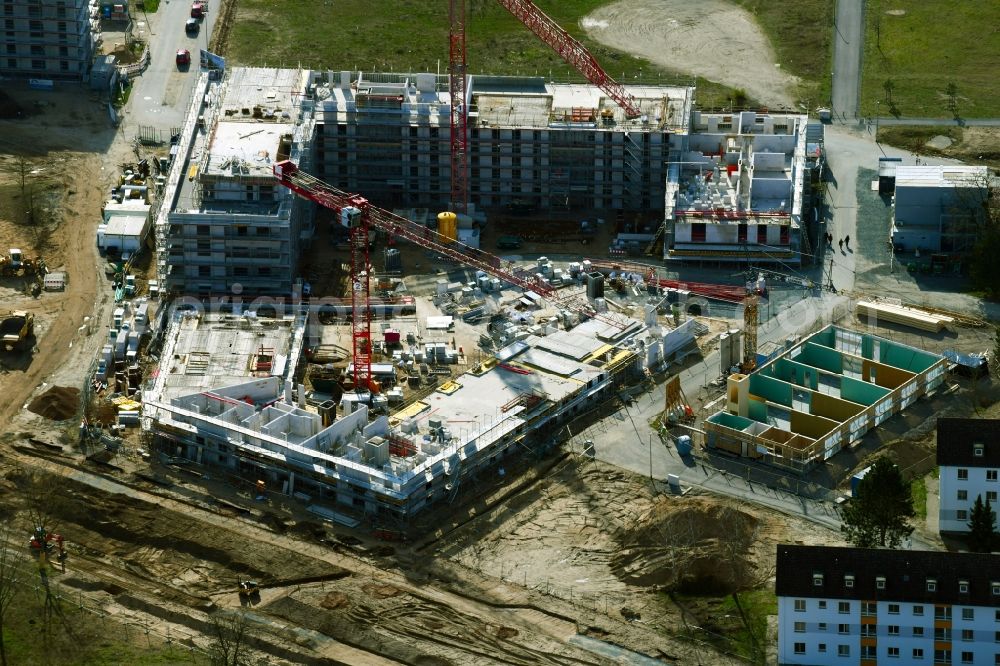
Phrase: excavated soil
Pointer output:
(58, 403)
(697, 545)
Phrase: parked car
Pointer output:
(183, 58)
(197, 10)
(192, 26)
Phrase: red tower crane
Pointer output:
(569, 49)
(359, 216)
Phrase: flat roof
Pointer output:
(275, 91)
(245, 149)
(940, 175)
(215, 350)
(127, 224)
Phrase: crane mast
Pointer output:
(569, 49)
(457, 79)
(359, 216)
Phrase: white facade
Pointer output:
(933, 206)
(816, 631)
(959, 488)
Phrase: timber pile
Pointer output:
(907, 316)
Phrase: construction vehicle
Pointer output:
(43, 544)
(248, 589)
(15, 329)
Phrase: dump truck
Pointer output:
(15, 329)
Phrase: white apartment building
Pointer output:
(843, 606)
(968, 458)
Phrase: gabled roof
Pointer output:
(906, 573)
(957, 439)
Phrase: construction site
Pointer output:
(442, 368)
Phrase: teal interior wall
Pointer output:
(861, 392)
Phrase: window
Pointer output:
(817, 579)
(918, 632)
(869, 608)
(800, 627)
(996, 615)
(800, 605)
(918, 610)
(893, 609)
(698, 232)
(995, 586)
(942, 612)
(844, 607)
(966, 657)
(894, 630)
(821, 647)
(931, 585)
(942, 634)
(741, 233)
(918, 653)
(978, 450)
(848, 580)
(822, 627)
(991, 475)
(843, 628)
(869, 652)
(996, 636)
(968, 613)
(800, 648)
(966, 634)
(942, 656)
(991, 496)
(37, 64)
(963, 495)
(963, 586)
(202, 230)
(843, 650)
(894, 652)
(869, 630)
(961, 514)
(784, 235)
(822, 604)
(880, 583)
(963, 474)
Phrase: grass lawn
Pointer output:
(757, 604)
(149, 6)
(801, 34)
(918, 491)
(932, 45)
(410, 36)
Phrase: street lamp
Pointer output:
(876, 120)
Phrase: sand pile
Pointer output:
(689, 546)
(58, 403)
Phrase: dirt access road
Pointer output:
(713, 39)
(70, 142)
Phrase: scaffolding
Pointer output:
(750, 314)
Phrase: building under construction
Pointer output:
(821, 395)
(737, 192)
(532, 144)
(225, 396)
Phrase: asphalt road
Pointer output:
(160, 96)
(848, 39)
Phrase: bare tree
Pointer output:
(11, 576)
(232, 632)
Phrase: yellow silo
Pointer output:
(448, 226)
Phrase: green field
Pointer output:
(408, 36)
(931, 46)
